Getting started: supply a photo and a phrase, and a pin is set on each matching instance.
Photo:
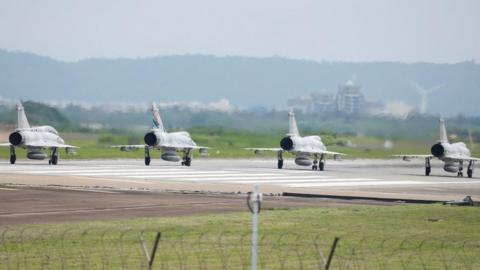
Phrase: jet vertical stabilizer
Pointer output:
(292, 124)
(157, 120)
(22, 121)
(443, 131)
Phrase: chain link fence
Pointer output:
(111, 248)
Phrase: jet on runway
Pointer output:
(452, 154)
(167, 142)
(35, 140)
(302, 147)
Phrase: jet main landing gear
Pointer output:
(471, 164)
(280, 159)
(147, 156)
(321, 164)
(53, 157)
(428, 167)
(187, 158)
(13, 157)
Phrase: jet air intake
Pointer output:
(286, 144)
(16, 138)
(438, 150)
(151, 139)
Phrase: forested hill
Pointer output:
(244, 81)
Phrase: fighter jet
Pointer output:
(452, 154)
(35, 140)
(303, 148)
(167, 142)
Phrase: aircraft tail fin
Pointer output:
(157, 120)
(443, 131)
(292, 124)
(22, 121)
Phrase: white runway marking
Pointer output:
(9, 189)
(289, 177)
(300, 180)
(109, 171)
(226, 176)
(353, 184)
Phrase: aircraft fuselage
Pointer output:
(446, 153)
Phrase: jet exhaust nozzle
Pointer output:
(286, 144)
(16, 138)
(438, 150)
(151, 139)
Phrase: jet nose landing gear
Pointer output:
(460, 169)
(315, 161)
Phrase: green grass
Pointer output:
(371, 236)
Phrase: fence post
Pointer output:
(332, 251)
(150, 257)
(254, 200)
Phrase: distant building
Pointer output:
(349, 98)
(323, 102)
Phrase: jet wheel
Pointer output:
(314, 167)
(54, 160)
(280, 164)
(321, 166)
(470, 173)
(427, 171)
(147, 161)
(188, 162)
(13, 158)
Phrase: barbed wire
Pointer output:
(113, 248)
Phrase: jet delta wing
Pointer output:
(302, 147)
(35, 139)
(452, 154)
(167, 142)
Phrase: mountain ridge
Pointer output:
(246, 81)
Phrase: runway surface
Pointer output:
(379, 178)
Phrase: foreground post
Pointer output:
(254, 204)
(332, 251)
(150, 257)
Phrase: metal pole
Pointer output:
(150, 257)
(255, 210)
(332, 251)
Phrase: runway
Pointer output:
(380, 178)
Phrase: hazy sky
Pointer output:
(377, 30)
